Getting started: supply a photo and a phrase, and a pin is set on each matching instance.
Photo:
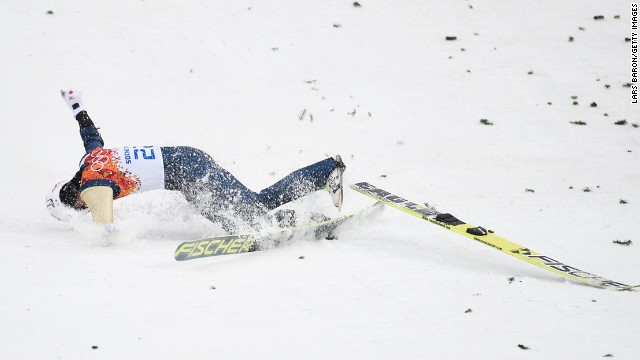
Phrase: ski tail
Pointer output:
(485, 237)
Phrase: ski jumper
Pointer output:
(108, 174)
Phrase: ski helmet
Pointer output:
(60, 201)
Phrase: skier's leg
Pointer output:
(210, 206)
(217, 194)
(299, 183)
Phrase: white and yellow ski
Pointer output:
(266, 239)
(483, 236)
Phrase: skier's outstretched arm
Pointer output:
(88, 132)
(99, 199)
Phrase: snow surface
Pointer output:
(269, 86)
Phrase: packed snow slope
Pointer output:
(269, 86)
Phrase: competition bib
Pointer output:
(145, 162)
(131, 168)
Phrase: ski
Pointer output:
(628, 288)
(265, 239)
(480, 234)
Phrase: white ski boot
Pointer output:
(334, 182)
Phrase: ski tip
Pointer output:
(629, 288)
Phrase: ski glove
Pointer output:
(99, 200)
(72, 98)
